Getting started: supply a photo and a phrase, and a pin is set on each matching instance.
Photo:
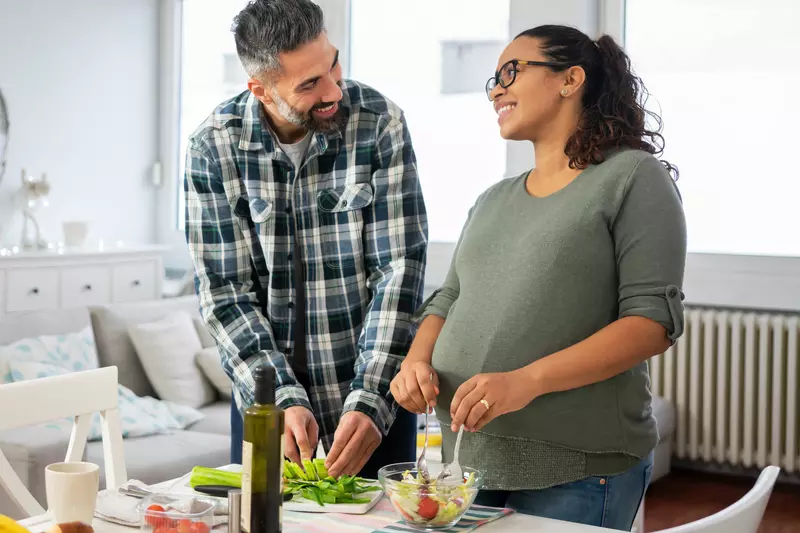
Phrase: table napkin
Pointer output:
(115, 507)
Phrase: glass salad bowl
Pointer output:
(432, 506)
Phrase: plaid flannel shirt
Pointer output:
(362, 228)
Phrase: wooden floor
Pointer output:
(683, 497)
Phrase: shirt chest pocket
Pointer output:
(341, 214)
(256, 217)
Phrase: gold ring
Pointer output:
(485, 403)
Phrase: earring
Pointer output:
(564, 92)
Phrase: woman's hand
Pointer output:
(484, 397)
(416, 387)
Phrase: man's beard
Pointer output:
(307, 120)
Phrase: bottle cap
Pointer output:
(264, 378)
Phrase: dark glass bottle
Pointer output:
(262, 458)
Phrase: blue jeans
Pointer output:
(399, 446)
(604, 501)
(237, 434)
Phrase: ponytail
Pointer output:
(614, 114)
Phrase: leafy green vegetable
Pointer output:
(312, 482)
(311, 471)
(316, 485)
(319, 465)
(202, 475)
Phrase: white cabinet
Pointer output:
(35, 281)
(85, 285)
(32, 289)
(133, 281)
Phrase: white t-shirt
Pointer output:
(296, 151)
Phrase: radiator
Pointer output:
(733, 378)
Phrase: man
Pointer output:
(308, 231)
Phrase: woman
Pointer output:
(565, 280)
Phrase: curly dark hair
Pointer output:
(614, 114)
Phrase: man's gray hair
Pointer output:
(266, 28)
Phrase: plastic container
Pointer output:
(176, 513)
(428, 507)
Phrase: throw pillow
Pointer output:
(139, 416)
(205, 337)
(49, 355)
(167, 351)
(209, 362)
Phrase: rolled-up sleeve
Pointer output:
(650, 245)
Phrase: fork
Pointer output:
(220, 505)
(422, 463)
(453, 470)
(140, 493)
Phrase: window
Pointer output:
(210, 71)
(725, 77)
(437, 77)
(433, 58)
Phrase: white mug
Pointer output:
(71, 491)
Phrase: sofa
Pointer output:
(150, 458)
(171, 454)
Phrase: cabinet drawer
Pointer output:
(82, 286)
(32, 289)
(134, 282)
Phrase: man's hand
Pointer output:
(301, 434)
(355, 440)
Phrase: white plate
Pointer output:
(302, 505)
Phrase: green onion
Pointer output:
(316, 485)
(202, 475)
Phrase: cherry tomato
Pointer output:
(427, 508)
(155, 521)
(199, 527)
(184, 525)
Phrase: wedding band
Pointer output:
(485, 403)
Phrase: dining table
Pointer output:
(295, 522)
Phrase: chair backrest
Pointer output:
(77, 395)
(744, 516)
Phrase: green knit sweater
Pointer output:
(531, 276)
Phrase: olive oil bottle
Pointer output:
(262, 458)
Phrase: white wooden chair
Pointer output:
(77, 395)
(638, 522)
(744, 516)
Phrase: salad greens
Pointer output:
(430, 503)
(311, 481)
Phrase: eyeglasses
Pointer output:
(508, 73)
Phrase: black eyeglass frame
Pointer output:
(495, 80)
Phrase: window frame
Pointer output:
(737, 281)
(167, 174)
(716, 280)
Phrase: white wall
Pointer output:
(524, 14)
(80, 80)
(720, 280)
(527, 14)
